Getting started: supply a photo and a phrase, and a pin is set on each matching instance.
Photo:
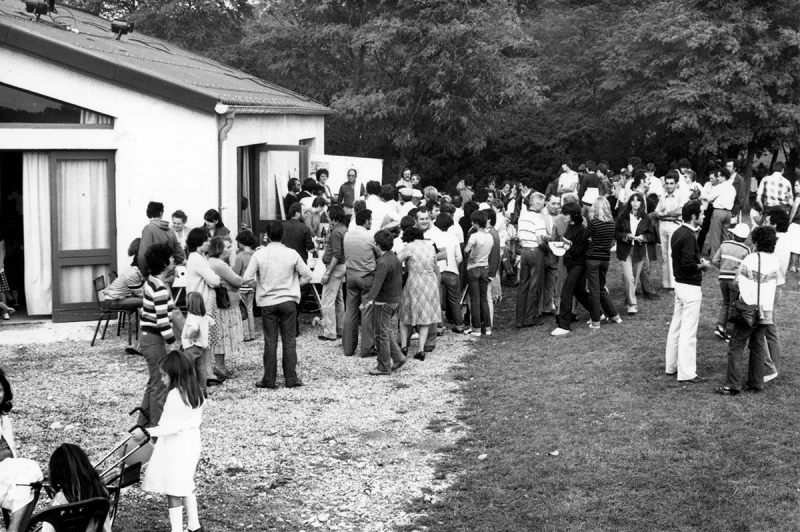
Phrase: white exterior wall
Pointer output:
(163, 152)
(263, 129)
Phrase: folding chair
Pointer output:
(75, 517)
(121, 315)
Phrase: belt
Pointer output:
(721, 209)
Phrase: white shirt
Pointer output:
(436, 236)
(722, 196)
(380, 212)
(568, 180)
(655, 186)
(454, 256)
(456, 231)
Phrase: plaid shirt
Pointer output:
(775, 190)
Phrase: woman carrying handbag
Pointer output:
(752, 313)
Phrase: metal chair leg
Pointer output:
(120, 321)
(99, 321)
(108, 318)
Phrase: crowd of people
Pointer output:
(397, 263)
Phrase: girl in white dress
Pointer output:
(177, 451)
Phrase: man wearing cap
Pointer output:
(412, 198)
(727, 260)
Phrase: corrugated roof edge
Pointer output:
(139, 80)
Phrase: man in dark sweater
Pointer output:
(688, 268)
(385, 295)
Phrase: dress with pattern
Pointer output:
(419, 304)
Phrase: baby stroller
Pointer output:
(126, 470)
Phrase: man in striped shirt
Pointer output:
(156, 327)
(727, 260)
(532, 234)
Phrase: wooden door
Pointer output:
(83, 222)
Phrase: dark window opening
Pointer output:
(18, 106)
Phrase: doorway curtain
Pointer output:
(36, 232)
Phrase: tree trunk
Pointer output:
(748, 164)
(775, 153)
(792, 164)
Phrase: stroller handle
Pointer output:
(141, 411)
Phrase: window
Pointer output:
(22, 107)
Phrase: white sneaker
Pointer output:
(616, 319)
(768, 378)
(415, 336)
(488, 331)
(633, 310)
(602, 318)
(559, 332)
(475, 334)
(593, 325)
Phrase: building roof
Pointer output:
(84, 42)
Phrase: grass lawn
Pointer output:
(585, 432)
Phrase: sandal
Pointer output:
(726, 390)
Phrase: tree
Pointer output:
(411, 81)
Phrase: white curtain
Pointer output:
(90, 117)
(83, 223)
(36, 232)
(244, 180)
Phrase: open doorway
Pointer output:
(12, 248)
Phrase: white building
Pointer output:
(93, 128)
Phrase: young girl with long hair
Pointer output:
(634, 231)
(16, 474)
(177, 451)
(600, 234)
(195, 336)
(74, 480)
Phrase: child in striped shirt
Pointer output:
(727, 260)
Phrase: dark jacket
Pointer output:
(297, 236)
(645, 229)
(576, 254)
(686, 257)
(158, 232)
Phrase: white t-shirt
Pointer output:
(568, 180)
(195, 331)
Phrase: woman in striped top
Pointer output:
(600, 234)
(156, 330)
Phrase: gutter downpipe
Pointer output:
(225, 119)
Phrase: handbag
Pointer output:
(223, 299)
(743, 314)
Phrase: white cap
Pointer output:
(405, 191)
(416, 193)
(741, 230)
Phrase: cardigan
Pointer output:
(201, 278)
(622, 228)
(686, 256)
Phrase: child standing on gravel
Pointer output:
(195, 336)
(177, 451)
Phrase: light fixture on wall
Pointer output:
(121, 27)
(40, 8)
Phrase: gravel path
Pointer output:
(345, 452)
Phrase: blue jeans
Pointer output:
(741, 334)
(531, 285)
(730, 293)
(154, 349)
(478, 281)
(388, 348)
(451, 298)
(274, 319)
(596, 271)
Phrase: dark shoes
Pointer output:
(294, 384)
(325, 338)
(213, 382)
(697, 380)
(370, 353)
(420, 355)
(672, 374)
(376, 371)
(725, 390)
(132, 351)
(262, 384)
(398, 365)
(220, 375)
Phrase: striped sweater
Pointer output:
(728, 258)
(601, 237)
(157, 309)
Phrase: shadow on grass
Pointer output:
(586, 432)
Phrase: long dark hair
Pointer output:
(8, 396)
(73, 474)
(183, 378)
(212, 215)
(627, 210)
